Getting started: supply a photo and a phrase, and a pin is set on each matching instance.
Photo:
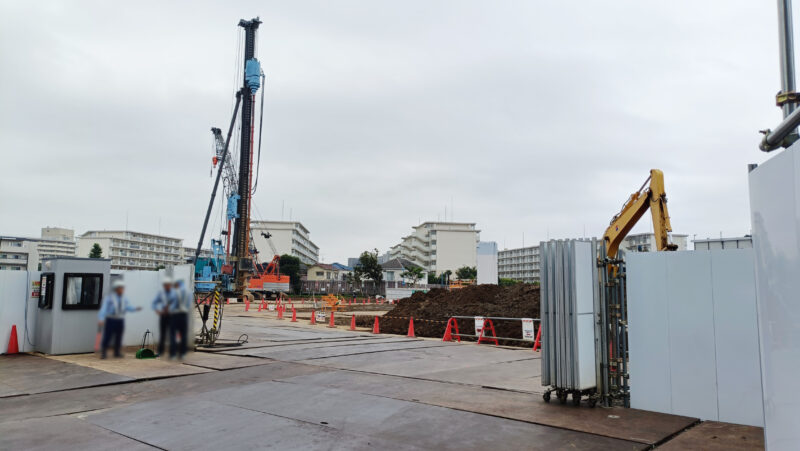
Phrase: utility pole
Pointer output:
(241, 234)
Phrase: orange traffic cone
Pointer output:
(376, 328)
(294, 315)
(98, 338)
(313, 317)
(538, 343)
(246, 305)
(13, 345)
(352, 322)
(331, 323)
(411, 328)
(280, 312)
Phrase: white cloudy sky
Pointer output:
(535, 118)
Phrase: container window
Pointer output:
(82, 291)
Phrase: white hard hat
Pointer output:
(167, 280)
(118, 283)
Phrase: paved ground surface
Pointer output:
(298, 387)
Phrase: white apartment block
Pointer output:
(739, 242)
(646, 242)
(23, 253)
(133, 250)
(291, 238)
(56, 242)
(520, 264)
(187, 254)
(440, 246)
(18, 254)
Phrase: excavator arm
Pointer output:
(653, 197)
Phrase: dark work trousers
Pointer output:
(113, 331)
(179, 324)
(163, 331)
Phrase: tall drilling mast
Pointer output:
(241, 233)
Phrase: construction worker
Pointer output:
(112, 317)
(161, 306)
(179, 320)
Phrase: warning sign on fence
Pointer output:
(320, 317)
(527, 329)
(478, 325)
(35, 288)
(271, 307)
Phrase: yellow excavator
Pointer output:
(651, 195)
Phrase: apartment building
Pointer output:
(739, 242)
(285, 237)
(520, 264)
(133, 250)
(187, 254)
(56, 242)
(646, 242)
(439, 246)
(18, 254)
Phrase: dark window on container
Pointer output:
(82, 291)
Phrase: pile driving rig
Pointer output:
(233, 271)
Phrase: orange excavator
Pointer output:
(267, 279)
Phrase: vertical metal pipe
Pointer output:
(624, 309)
(787, 52)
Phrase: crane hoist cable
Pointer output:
(260, 129)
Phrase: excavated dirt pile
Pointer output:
(432, 309)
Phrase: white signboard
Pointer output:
(478, 325)
(271, 307)
(320, 317)
(527, 329)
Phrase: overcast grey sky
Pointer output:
(531, 117)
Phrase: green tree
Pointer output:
(369, 268)
(290, 265)
(467, 273)
(96, 252)
(414, 273)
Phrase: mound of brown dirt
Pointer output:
(431, 310)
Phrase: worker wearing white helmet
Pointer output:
(161, 304)
(112, 317)
(179, 320)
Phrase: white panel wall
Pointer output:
(775, 220)
(487, 262)
(691, 338)
(648, 332)
(141, 288)
(692, 332)
(738, 379)
(14, 296)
